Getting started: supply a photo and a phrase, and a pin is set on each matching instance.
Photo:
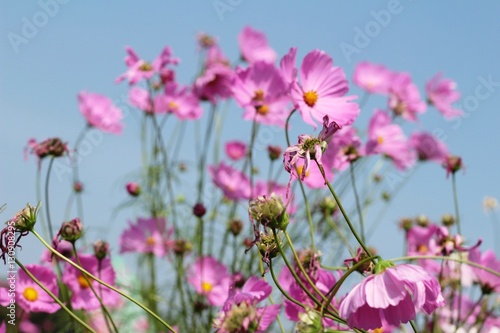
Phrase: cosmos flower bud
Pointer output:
(235, 226)
(274, 152)
(199, 210)
(327, 205)
(269, 211)
(452, 164)
(448, 220)
(267, 246)
(310, 322)
(422, 220)
(101, 249)
(133, 189)
(182, 246)
(78, 187)
(72, 230)
(25, 219)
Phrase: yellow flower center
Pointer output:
(310, 97)
(146, 67)
(206, 286)
(150, 241)
(262, 109)
(299, 170)
(30, 294)
(172, 106)
(84, 282)
(259, 95)
(378, 330)
(422, 248)
(380, 140)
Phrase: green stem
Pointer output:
(54, 297)
(304, 196)
(358, 204)
(103, 307)
(47, 209)
(455, 201)
(76, 178)
(339, 204)
(100, 281)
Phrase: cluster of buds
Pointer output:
(269, 211)
(50, 147)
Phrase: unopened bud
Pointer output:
(274, 152)
(25, 219)
(235, 226)
(269, 211)
(72, 230)
(182, 246)
(101, 249)
(133, 189)
(422, 220)
(199, 210)
(448, 220)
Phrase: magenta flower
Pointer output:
(308, 145)
(422, 240)
(146, 236)
(232, 182)
(428, 147)
(374, 78)
(404, 97)
(393, 294)
(139, 69)
(321, 91)
(210, 278)
(254, 47)
(100, 112)
(214, 83)
(82, 296)
(28, 295)
(240, 313)
(235, 149)
(489, 283)
(180, 101)
(262, 92)
(388, 139)
(441, 93)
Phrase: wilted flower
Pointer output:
(269, 211)
(50, 147)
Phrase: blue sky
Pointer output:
(51, 50)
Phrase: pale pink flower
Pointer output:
(388, 139)
(428, 147)
(373, 78)
(442, 93)
(100, 112)
(262, 92)
(254, 47)
(488, 282)
(82, 296)
(139, 69)
(27, 294)
(148, 235)
(214, 83)
(321, 91)
(180, 101)
(343, 149)
(235, 149)
(210, 278)
(234, 184)
(395, 293)
(404, 97)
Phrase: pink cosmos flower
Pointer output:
(404, 97)
(254, 47)
(232, 182)
(488, 282)
(100, 112)
(235, 149)
(240, 313)
(214, 83)
(322, 279)
(428, 147)
(28, 295)
(394, 293)
(139, 97)
(82, 297)
(422, 240)
(180, 101)
(374, 78)
(441, 93)
(139, 69)
(148, 235)
(321, 91)
(343, 149)
(388, 139)
(262, 92)
(210, 278)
